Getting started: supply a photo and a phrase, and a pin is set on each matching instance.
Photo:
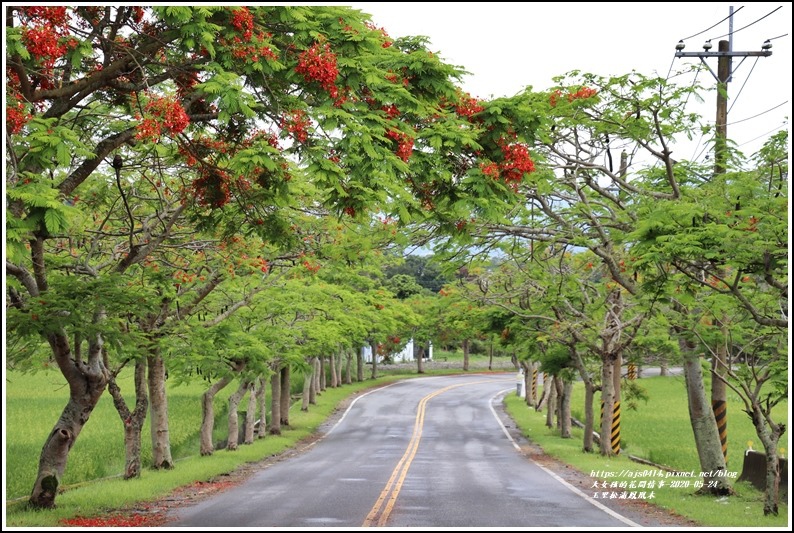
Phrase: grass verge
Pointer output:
(744, 510)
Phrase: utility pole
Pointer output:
(724, 55)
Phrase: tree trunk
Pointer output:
(314, 382)
(589, 397)
(359, 366)
(349, 367)
(208, 412)
(232, 441)
(616, 410)
(466, 355)
(663, 369)
(545, 394)
(318, 365)
(565, 410)
(87, 381)
(769, 438)
(339, 368)
(607, 403)
(589, 416)
(707, 440)
(490, 356)
(374, 347)
(526, 366)
(132, 421)
(158, 407)
(551, 403)
(719, 391)
(275, 403)
(250, 414)
(560, 399)
(321, 376)
(420, 363)
(285, 395)
(308, 379)
(332, 362)
(261, 398)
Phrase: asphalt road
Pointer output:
(429, 452)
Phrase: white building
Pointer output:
(407, 353)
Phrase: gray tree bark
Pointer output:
(565, 410)
(261, 398)
(285, 395)
(465, 355)
(158, 408)
(704, 427)
(332, 363)
(87, 381)
(374, 347)
(275, 403)
(308, 379)
(206, 446)
(315, 381)
(349, 367)
(250, 414)
(234, 424)
(132, 420)
(551, 403)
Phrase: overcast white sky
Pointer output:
(507, 46)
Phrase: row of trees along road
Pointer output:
(171, 167)
(206, 192)
(619, 252)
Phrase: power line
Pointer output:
(717, 24)
(694, 81)
(759, 114)
(744, 27)
(762, 135)
(778, 37)
(742, 87)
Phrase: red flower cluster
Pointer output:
(517, 162)
(243, 21)
(16, 117)
(405, 144)
(297, 124)
(318, 63)
(46, 43)
(313, 268)
(584, 92)
(581, 94)
(165, 115)
(46, 37)
(137, 14)
(391, 111)
(254, 52)
(468, 106)
(490, 169)
(54, 16)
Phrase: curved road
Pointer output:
(426, 452)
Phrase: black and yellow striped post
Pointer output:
(534, 385)
(720, 409)
(614, 437)
(632, 368)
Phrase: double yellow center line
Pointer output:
(383, 506)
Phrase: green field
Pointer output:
(657, 430)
